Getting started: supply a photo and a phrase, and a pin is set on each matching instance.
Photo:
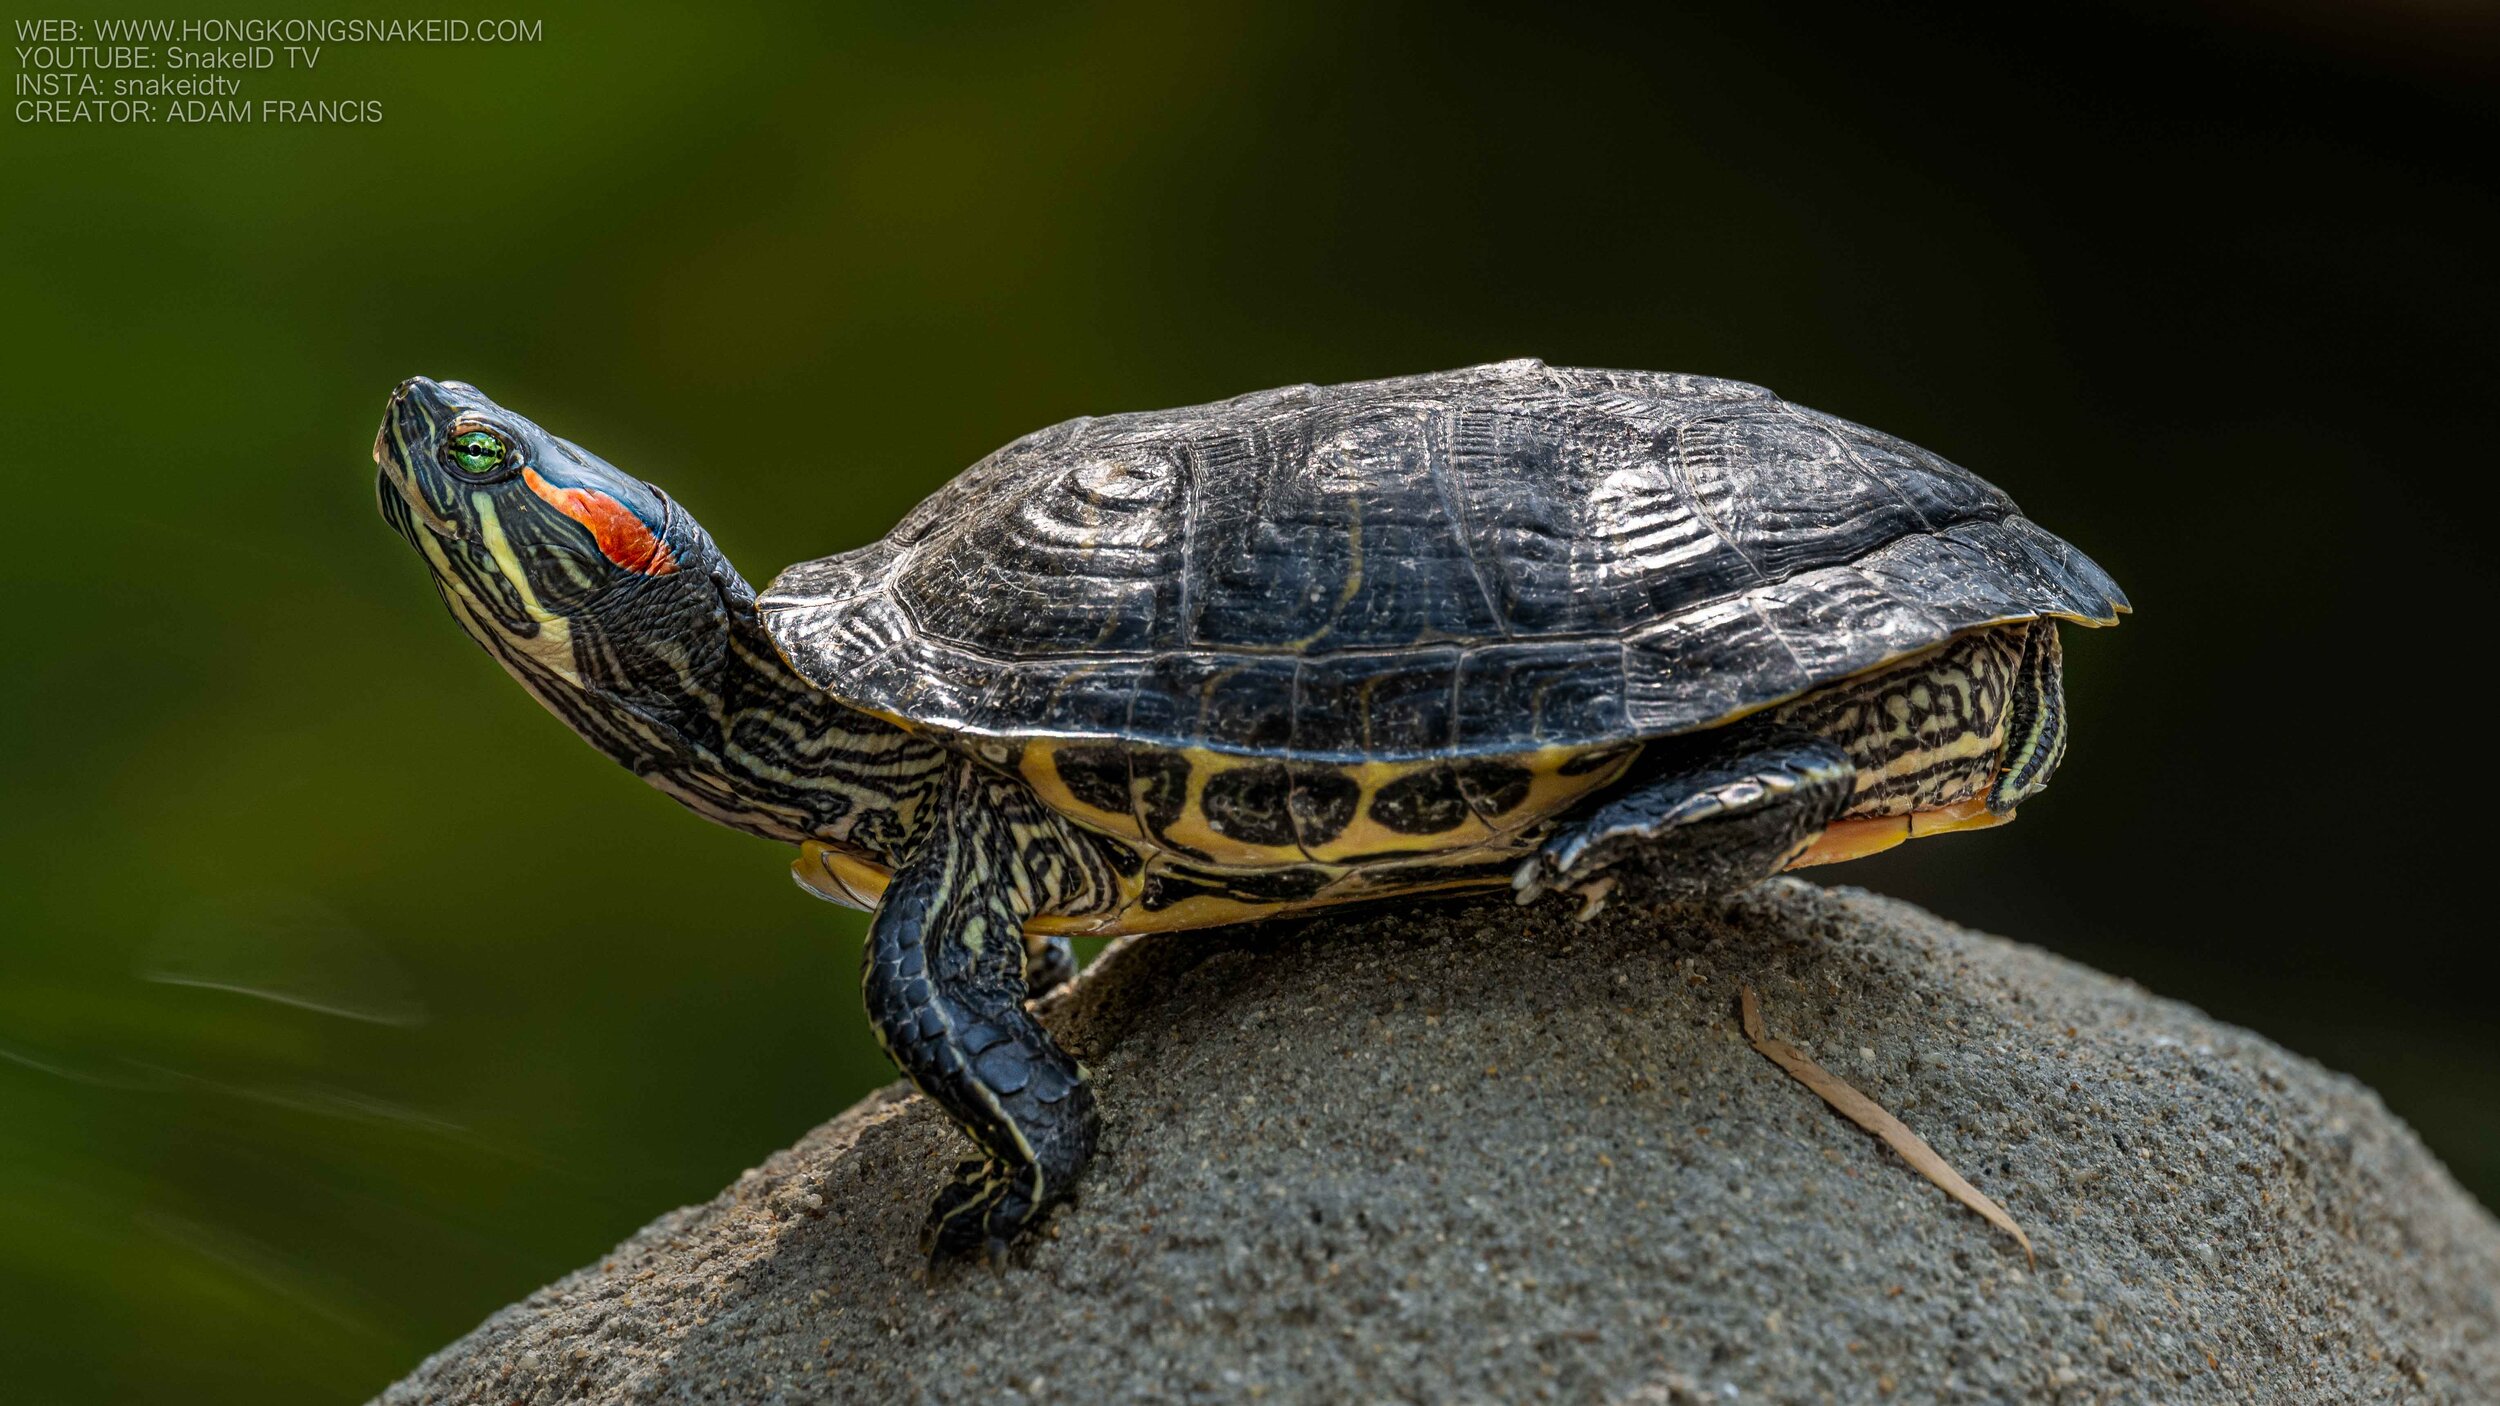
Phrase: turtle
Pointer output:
(1615, 635)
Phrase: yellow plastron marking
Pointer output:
(1194, 830)
(1856, 839)
(1040, 769)
(1550, 792)
(1364, 835)
(844, 878)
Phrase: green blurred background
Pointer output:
(344, 997)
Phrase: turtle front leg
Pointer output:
(1723, 813)
(946, 985)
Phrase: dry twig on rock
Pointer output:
(1867, 1114)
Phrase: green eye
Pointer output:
(477, 452)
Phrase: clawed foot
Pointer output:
(980, 1214)
(1543, 874)
(1583, 861)
(1721, 821)
(1591, 860)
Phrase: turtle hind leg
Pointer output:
(1714, 815)
(945, 979)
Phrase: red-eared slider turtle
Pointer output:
(1597, 631)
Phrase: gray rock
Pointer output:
(1476, 1153)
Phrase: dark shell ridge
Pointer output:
(1473, 562)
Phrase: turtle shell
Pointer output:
(1492, 560)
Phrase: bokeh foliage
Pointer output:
(2215, 304)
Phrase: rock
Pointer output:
(1479, 1153)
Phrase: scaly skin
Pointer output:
(946, 988)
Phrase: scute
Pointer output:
(1470, 563)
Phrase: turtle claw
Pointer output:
(1528, 881)
(1593, 896)
(947, 1259)
(1550, 868)
(977, 1217)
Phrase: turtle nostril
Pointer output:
(422, 392)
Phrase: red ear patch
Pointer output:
(623, 537)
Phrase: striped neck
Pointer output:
(674, 676)
(615, 610)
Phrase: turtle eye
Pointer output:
(478, 452)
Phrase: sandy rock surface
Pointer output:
(1478, 1153)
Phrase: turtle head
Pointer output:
(603, 598)
(522, 523)
(577, 576)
